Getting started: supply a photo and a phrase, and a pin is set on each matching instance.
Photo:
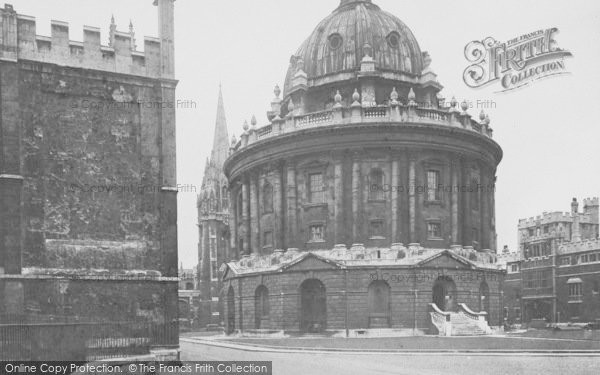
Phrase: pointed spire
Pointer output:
(132, 35)
(220, 149)
(112, 30)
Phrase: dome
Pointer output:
(355, 29)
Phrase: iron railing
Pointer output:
(83, 341)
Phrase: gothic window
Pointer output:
(434, 230)
(316, 193)
(433, 181)
(317, 233)
(575, 287)
(376, 181)
(214, 269)
(267, 198)
(225, 197)
(213, 248)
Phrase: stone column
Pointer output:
(356, 196)
(246, 215)
(233, 224)
(389, 197)
(278, 235)
(292, 222)
(395, 199)
(338, 206)
(467, 235)
(454, 205)
(484, 229)
(254, 216)
(412, 198)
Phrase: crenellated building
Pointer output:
(213, 223)
(88, 189)
(362, 169)
(557, 273)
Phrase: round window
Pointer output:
(394, 40)
(335, 41)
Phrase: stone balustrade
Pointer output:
(356, 114)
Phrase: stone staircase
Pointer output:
(465, 322)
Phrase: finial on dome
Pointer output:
(482, 115)
(411, 97)
(246, 127)
(277, 91)
(487, 119)
(464, 106)
(253, 121)
(394, 96)
(338, 99)
(356, 97)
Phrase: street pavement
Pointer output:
(337, 363)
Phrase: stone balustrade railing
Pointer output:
(355, 114)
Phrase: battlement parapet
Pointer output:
(21, 42)
(591, 202)
(575, 247)
(546, 218)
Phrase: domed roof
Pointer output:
(355, 28)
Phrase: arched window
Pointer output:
(379, 304)
(225, 197)
(261, 305)
(376, 182)
(267, 198)
(213, 201)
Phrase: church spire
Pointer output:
(220, 149)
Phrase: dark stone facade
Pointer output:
(87, 174)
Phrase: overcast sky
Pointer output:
(549, 131)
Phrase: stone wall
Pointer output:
(411, 293)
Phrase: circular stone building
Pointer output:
(367, 201)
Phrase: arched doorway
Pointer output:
(484, 298)
(230, 311)
(444, 293)
(261, 306)
(313, 306)
(379, 304)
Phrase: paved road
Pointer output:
(426, 364)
